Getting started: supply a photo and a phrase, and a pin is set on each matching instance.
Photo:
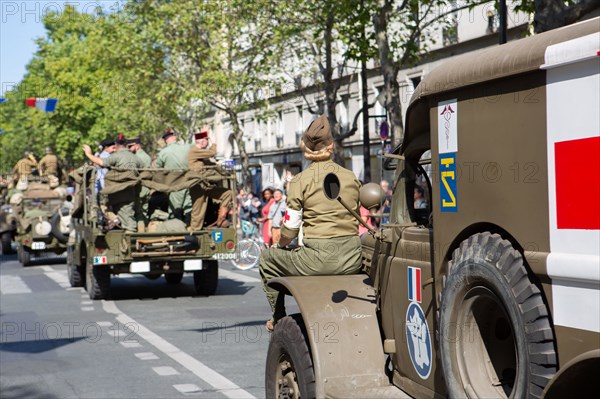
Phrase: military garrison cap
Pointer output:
(167, 134)
(135, 140)
(318, 134)
(107, 143)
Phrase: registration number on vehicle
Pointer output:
(222, 256)
(38, 245)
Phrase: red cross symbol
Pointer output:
(286, 217)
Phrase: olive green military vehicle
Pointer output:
(43, 222)
(95, 253)
(8, 228)
(490, 288)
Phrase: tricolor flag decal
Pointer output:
(414, 284)
(44, 104)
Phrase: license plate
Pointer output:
(38, 245)
(139, 267)
(221, 256)
(192, 264)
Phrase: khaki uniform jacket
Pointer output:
(48, 165)
(144, 157)
(24, 166)
(173, 156)
(197, 158)
(123, 159)
(320, 217)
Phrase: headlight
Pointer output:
(6, 209)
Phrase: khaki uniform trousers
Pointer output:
(318, 256)
(126, 204)
(200, 202)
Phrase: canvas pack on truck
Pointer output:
(170, 248)
(489, 287)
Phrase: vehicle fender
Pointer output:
(579, 375)
(340, 316)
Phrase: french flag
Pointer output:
(414, 284)
(44, 104)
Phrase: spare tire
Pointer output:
(55, 223)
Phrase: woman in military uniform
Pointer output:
(330, 232)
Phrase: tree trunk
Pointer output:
(389, 71)
(239, 140)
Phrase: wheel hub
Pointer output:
(287, 384)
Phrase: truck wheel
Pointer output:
(173, 278)
(6, 240)
(97, 280)
(289, 372)
(207, 279)
(75, 272)
(496, 339)
(24, 256)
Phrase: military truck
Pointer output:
(95, 253)
(492, 289)
(42, 222)
(8, 228)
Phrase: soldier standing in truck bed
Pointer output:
(174, 156)
(124, 203)
(48, 167)
(199, 156)
(331, 242)
(23, 169)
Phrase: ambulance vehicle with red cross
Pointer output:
(492, 289)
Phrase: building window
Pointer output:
(279, 141)
(257, 146)
(491, 22)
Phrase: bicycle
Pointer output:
(249, 249)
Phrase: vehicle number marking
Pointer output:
(221, 256)
(100, 260)
(38, 245)
(448, 193)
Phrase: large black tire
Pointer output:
(97, 280)
(55, 228)
(75, 273)
(6, 241)
(496, 339)
(207, 279)
(173, 278)
(24, 256)
(289, 369)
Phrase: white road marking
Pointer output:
(105, 323)
(131, 344)
(47, 269)
(76, 289)
(116, 333)
(146, 356)
(187, 388)
(216, 380)
(165, 370)
(60, 278)
(87, 303)
(10, 284)
(238, 276)
(87, 308)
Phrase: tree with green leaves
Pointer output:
(551, 14)
(218, 56)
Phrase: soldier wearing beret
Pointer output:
(331, 242)
(201, 155)
(108, 147)
(174, 156)
(124, 203)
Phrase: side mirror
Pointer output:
(371, 195)
(331, 189)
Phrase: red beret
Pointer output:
(201, 135)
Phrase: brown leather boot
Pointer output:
(222, 218)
